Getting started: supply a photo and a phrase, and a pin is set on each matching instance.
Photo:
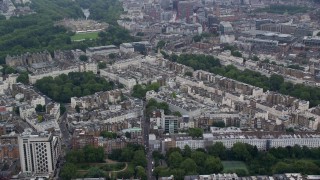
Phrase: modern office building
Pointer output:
(170, 124)
(39, 153)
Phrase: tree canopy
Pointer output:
(23, 78)
(195, 132)
(88, 154)
(139, 91)
(188, 162)
(38, 32)
(107, 134)
(153, 105)
(63, 87)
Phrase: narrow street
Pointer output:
(146, 125)
(65, 142)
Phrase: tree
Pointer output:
(177, 113)
(139, 158)
(95, 172)
(77, 108)
(280, 167)
(16, 110)
(197, 38)
(68, 171)
(112, 56)
(153, 86)
(275, 82)
(255, 58)
(128, 135)
(189, 166)
(140, 173)
(213, 165)
(266, 61)
(77, 91)
(195, 132)
(158, 171)
(40, 108)
(164, 106)
(297, 152)
(188, 73)
(127, 155)
(240, 152)
(218, 150)
(175, 159)
(138, 91)
(102, 65)
(124, 174)
(23, 78)
(62, 109)
(115, 154)
(199, 157)
(8, 70)
(93, 154)
(295, 66)
(157, 154)
(107, 134)
(83, 58)
(161, 44)
(140, 34)
(40, 118)
(62, 87)
(236, 53)
(219, 124)
(187, 151)
(178, 173)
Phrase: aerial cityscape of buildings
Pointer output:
(37, 131)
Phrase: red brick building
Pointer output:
(80, 139)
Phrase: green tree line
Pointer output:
(186, 162)
(274, 161)
(281, 9)
(207, 161)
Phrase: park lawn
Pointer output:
(233, 165)
(84, 36)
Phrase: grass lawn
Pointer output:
(83, 36)
(233, 165)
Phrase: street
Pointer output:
(146, 125)
(65, 135)
(65, 141)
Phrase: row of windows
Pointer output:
(262, 144)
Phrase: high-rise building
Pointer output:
(185, 9)
(39, 153)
